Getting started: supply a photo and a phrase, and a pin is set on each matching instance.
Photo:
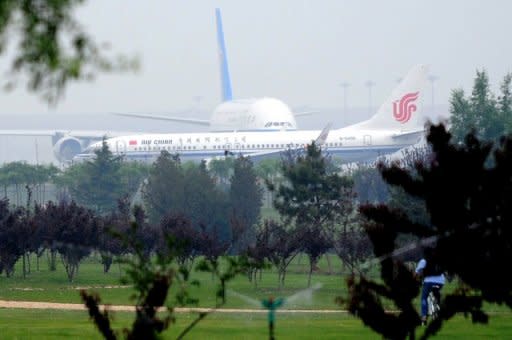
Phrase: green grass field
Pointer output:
(49, 286)
(38, 324)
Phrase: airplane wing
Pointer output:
(172, 119)
(408, 133)
(27, 132)
(74, 133)
(304, 113)
(320, 140)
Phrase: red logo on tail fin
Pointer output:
(403, 108)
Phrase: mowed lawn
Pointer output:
(51, 324)
(44, 285)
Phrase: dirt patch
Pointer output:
(78, 306)
(29, 289)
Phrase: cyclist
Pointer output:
(433, 277)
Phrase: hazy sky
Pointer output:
(296, 50)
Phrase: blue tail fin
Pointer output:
(223, 59)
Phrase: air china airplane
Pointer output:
(253, 114)
(398, 123)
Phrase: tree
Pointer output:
(258, 253)
(163, 190)
(203, 202)
(369, 185)
(10, 223)
(53, 48)
(71, 230)
(245, 200)
(114, 224)
(97, 184)
(268, 170)
(311, 199)
(222, 169)
(185, 236)
(350, 242)
(283, 245)
(211, 244)
(481, 112)
(468, 203)
(505, 101)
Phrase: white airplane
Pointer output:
(256, 114)
(253, 114)
(398, 123)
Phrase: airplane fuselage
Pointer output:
(347, 143)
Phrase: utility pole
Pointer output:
(37, 152)
(432, 78)
(345, 86)
(369, 84)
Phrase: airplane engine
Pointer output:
(66, 148)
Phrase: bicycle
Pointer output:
(433, 300)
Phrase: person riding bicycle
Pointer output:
(433, 278)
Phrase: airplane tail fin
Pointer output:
(402, 110)
(320, 140)
(223, 59)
